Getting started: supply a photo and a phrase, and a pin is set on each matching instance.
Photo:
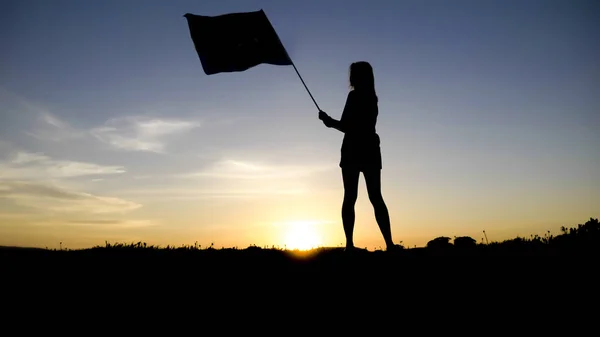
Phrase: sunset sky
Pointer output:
(111, 131)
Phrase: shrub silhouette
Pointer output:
(465, 242)
(583, 237)
(441, 242)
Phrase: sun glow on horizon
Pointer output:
(302, 235)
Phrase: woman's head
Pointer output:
(361, 76)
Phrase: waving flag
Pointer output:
(236, 42)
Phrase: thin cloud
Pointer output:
(56, 199)
(38, 121)
(129, 133)
(235, 179)
(49, 127)
(29, 165)
(139, 133)
(235, 169)
(12, 216)
(112, 224)
(95, 223)
(28, 157)
(216, 193)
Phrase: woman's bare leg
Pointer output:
(350, 178)
(373, 181)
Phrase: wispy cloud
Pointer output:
(34, 119)
(13, 216)
(27, 157)
(49, 127)
(104, 223)
(235, 169)
(140, 133)
(214, 193)
(57, 199)
(129, 133)
(28, 165)
(234, 179)
(96, 224)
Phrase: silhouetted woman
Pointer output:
(360, 150)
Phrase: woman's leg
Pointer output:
(350, 178)
(373, 181)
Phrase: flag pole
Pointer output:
(292, 62)
(296, 69)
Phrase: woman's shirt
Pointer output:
(360, 117)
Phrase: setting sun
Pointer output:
(302, 235)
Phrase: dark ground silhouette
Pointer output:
(208, 290)
(582, 241)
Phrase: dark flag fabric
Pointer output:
(236, 42)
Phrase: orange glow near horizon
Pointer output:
(302, 235)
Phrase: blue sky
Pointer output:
(110, 130)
